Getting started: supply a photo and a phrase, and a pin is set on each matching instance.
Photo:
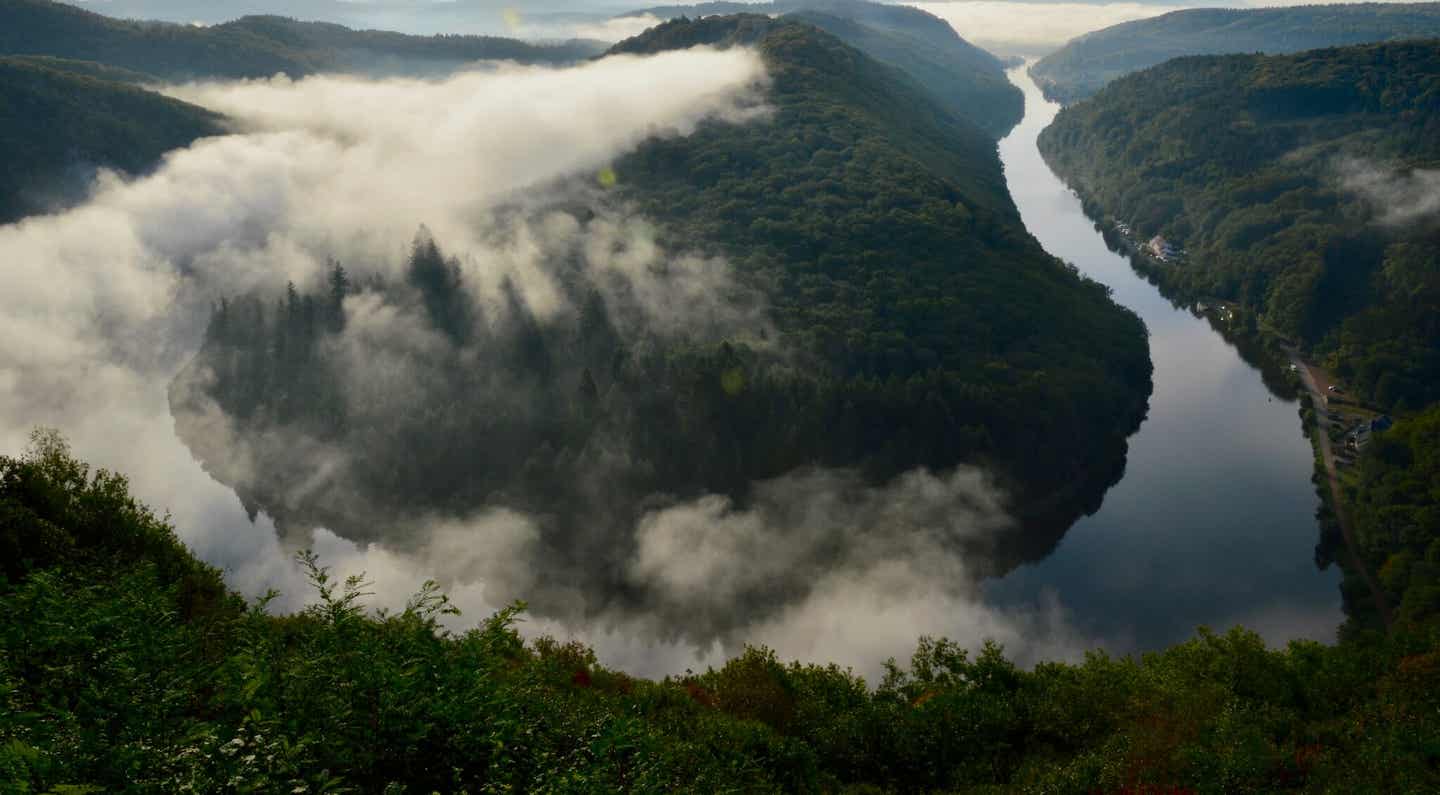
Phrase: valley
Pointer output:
(725, 397)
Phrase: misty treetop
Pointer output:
(879, 308)
(1085, 64)
(126, 666)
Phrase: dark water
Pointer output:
(1213, 522)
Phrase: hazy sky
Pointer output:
(1028, 27)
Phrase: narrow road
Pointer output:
(1318, 384)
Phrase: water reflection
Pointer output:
(1213, 522)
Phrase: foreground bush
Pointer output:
(125, 665)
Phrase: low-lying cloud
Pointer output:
(104, 304)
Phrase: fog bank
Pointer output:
(107, 302)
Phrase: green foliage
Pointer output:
(1394, 504)
(60, 120)
(1086, 64)
(107, 683)
(1252, 162)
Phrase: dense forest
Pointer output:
(1087, 63)
(249, 47)
(882, 309)
(126, 666)
(966, 80)
(61, 120)
(1297, 187)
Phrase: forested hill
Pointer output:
(60, 120)
(967, 80)
(1301, 186)
(1085, 64)
(249, 47)
(907, 320)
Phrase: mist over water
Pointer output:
(1213, 522)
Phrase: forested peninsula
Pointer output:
(895, 314)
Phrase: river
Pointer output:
(1213, 523)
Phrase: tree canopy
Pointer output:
(126, 666)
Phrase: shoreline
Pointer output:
(1272, 354)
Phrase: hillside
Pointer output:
(126, 665)
(1296, 185)
(1082, 66)
(61, 120)
(965, 79)
(249, 47)
(906, 319)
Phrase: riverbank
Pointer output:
(1317, 417)
(1217, 478)
(1288, 372)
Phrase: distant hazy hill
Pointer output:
(966, 79)
(248, 47)
(1081, 67)
(59, 120)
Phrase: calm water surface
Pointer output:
(1213, 522)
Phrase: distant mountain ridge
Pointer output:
(1087, 63)
(251, 46)
(966, 79)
